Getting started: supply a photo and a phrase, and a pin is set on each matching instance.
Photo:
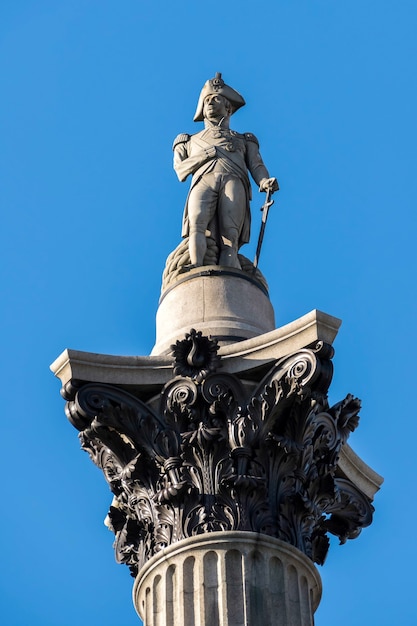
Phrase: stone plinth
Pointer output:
(228, 579)
(228, 304)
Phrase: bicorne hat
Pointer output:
(217, 85)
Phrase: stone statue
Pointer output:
(218, 159)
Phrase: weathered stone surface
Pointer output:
(215, 452)
(228, 579)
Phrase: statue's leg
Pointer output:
(232, 210)
(202, 203)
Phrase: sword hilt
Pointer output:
(268, 200)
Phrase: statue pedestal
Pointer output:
(228, 304)
(228, 579)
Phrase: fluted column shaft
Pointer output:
(228, 579)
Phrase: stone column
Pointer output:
(228, 579)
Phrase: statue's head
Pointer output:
(216, 107)
(217, 87)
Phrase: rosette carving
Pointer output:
(195, 356)
(222, 455)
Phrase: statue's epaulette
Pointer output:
(251, 137)
(182, 138)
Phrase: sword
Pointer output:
(265, 208)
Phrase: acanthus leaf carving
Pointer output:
(218, 455)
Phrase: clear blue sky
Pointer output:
(93, 93)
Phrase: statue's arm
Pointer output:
(256, 165)
(184, 165)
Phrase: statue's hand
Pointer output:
(211, 152)
(270, 184)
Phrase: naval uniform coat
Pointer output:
(220, 150)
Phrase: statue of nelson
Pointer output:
(218, 159)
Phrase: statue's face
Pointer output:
(216, 107)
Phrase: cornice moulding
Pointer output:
(152, 371)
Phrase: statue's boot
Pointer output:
(197, 247)
(229, 246)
